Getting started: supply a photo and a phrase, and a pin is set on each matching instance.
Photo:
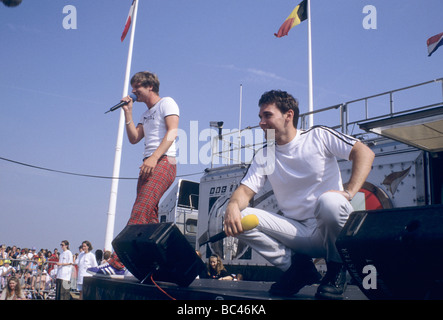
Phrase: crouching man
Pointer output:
(307, 184)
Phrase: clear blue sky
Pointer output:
(56, 85)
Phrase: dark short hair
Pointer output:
(88, 244)
(283, 101)
(66, 242)
(146, 79)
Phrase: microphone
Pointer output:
(122, 103)
(248, 222)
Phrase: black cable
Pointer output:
(79, 174)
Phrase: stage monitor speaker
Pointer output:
(395, 253)
(160, 250)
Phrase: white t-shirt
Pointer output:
(84, 262)
(4, 270)
(154, 127)
(64, 272)
(303, 169)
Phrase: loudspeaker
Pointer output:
(160, 250)
(395, 253)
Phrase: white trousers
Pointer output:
(276, 237)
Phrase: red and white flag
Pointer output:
(128, 21)
(434, 42)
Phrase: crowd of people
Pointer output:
(26, 273)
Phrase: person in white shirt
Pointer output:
(86, 259)
(302, 169)
(5, 271)
(158, 128)
(64, 272)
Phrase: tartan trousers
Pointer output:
(149, 193)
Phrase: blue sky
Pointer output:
(56, 85)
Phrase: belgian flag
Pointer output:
(298, 15)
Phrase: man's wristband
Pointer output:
(349, 194)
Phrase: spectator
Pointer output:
(23, 257)
(48, 280)
(64, 272)
(3, 254)
(40, 259)
(216, 269)
(30, 254)
(99, 256)
(13, 255)
(85, 260)
(52, 260)
(106, 257)
(5, 271)
(8, 251)
(13, 290)
(27, 281)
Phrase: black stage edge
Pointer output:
(101, 288)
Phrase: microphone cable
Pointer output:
(163, 291)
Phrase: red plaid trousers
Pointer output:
(149, 193)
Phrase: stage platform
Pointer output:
(101, 288)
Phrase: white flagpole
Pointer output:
(311, 96)
(109, 236)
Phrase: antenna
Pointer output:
(239, 125)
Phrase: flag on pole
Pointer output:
(128, 21)
(298, 15)
(434, 42)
